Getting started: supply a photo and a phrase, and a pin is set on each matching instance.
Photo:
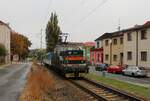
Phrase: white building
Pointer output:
(5, 31)
(137, 45)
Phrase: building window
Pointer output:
(143, 56)
(106, 57)
(129, 55)
(115, 41)
(97, 44)
(129, 36)
(121, 40)
(106, 42)
(115, 57)
(143, 34)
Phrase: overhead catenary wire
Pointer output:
(93, 10)
(82, 2)
(44, 20)
(47, 12)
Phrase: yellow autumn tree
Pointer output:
(19, 45)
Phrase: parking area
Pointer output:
(142, 81)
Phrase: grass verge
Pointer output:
(127, 87)
(39, 82)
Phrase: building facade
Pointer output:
(96, 56)
(87, 49)
(5, 31)
(113, 48)
(127, 47)
(136, 45)
(116, 48)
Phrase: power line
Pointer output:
(82, 2)
(93, 10)
(47, 12)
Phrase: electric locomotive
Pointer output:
(70, 63)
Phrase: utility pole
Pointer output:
(119, 26)
(41, 39)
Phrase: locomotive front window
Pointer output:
(73, 53)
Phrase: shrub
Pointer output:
(2, 50)
(39, 82)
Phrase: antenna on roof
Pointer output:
(119, 25)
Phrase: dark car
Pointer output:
(101, 67)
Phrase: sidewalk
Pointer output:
(4, 65)
(138, 81)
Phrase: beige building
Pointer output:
(103, 42)
(128, 47)
(117, 48)
(137, 45)
(112, 44)
(5, 31)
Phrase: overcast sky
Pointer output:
(85, 20)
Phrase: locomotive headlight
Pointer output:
(82, 64)
(69, 65)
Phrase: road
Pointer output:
(12, 81)
(138, 81)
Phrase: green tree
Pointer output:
(52, 32)
(2, 50)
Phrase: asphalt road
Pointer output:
(134, 80)
(12, 81)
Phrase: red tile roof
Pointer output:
(89, 43)
(147, 23)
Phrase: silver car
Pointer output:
(135, 71)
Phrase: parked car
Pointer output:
(115, 69)
(135, 71)
(101, 67)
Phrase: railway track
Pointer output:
(102, 92)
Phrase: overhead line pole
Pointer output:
(41, 39)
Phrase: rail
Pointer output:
(102, 92)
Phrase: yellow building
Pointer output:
(113, 47)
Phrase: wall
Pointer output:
(130, 46)
(106, 50)
(96, 56)
(5, 39)
(144, 45)
(116, 50)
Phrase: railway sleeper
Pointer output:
(119, 99)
